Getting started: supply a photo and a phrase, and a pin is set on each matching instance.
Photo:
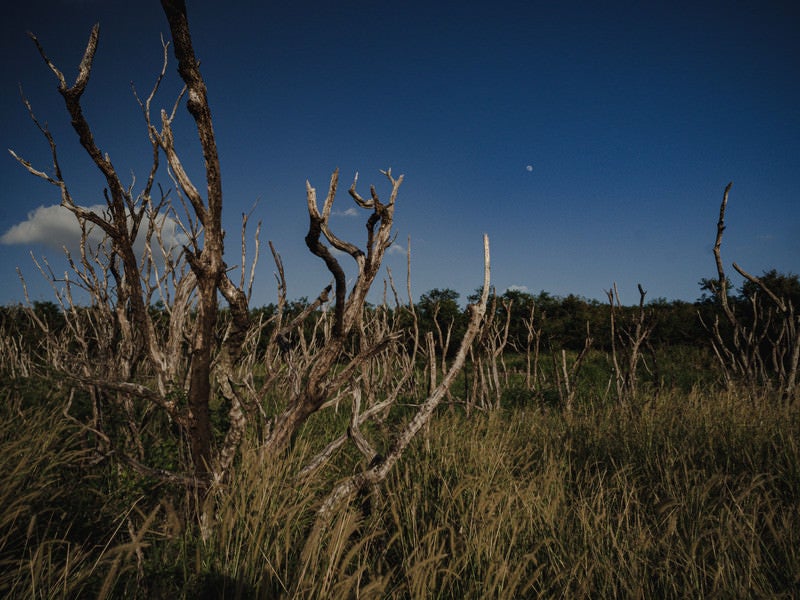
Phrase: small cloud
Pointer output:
(518, 288)
(350, 212)
(396, 249)
(529, 168)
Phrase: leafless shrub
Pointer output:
(566, 375)
(487, 357)
(15, 357)
(628, 338)
(153, 338)
(533, 337)
(379, 467)
(772, 323)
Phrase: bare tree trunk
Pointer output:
(207, 264)
(199, 379)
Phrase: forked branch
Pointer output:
(378, 472)
(745, 351)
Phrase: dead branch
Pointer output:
(628, 337)
(567, 376)
(376, 473)
(319, 383)
(739, 351)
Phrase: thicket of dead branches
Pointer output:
(761, 348)
(153, 340)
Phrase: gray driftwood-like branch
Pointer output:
(740, 352)
(377, 472)
(326, 374)
(722, 281)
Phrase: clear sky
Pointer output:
(591, 141)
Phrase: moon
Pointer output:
(529, 168)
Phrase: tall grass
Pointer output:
(67, 528)
(39, 453)
(682, 495)
(692, 496)
(689, 495)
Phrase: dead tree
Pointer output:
(320, 383)
(532, 342)
(485, 354)
(773, 324)
(122, 285)
(628, 338)
(171, 358)
(566, 376)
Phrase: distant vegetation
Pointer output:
(676, 326)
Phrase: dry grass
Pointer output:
(692, 496)
(687, 495)
(37, 451)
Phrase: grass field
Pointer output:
(684, 494)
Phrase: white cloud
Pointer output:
(350, 212)
(396, 249)
(56, 227)
(52, 226)
(529, 168)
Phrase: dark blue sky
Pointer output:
(633, 117)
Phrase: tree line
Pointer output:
(560, 320)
